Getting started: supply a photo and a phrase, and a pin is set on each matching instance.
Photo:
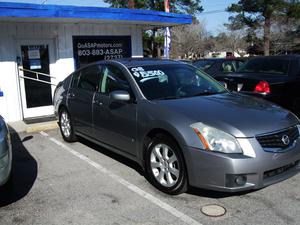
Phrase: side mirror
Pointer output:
(118, 96)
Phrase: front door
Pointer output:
(36, 95)
(114, 122)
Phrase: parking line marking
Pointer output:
(185, 218)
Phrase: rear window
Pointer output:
(266, 65)
(231, 66)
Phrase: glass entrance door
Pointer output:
(36, 94)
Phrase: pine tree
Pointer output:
(192, 7)
(257, 14)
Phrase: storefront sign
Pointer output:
(89, 49)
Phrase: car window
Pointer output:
(239, 64)
(174, 81)
(203, 64)
(89, 78)
(74, 81)
(113, 79)
(266, 65)
(230, 66)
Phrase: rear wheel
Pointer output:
(165, 165)
(66, 126)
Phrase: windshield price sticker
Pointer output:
(143, 75)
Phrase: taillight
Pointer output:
(262, 87)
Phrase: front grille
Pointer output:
(275, 140)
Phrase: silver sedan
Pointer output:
(180, 125)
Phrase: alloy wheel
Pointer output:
(65, 124)
(164, 165)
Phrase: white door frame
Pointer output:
(43, 110)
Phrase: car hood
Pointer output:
(237, 114)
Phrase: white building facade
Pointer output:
(41, 40)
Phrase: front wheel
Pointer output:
(165, 166)
(66, 126)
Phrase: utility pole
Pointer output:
(167, 41)
(167, 6)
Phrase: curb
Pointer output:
(41, 127)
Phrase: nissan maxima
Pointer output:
(182, 126)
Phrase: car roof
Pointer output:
(278, 57)
(220, 59)
(133, 62)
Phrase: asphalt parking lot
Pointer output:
(81, 183)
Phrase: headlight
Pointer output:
(216, 140)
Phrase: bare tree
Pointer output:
(190, 41)
(231, 41)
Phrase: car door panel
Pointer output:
(80, 105)
(81, 96)
(114, 122)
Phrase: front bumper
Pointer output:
(217, 171)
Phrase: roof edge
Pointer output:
(29, 10)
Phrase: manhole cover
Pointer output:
(213, 210)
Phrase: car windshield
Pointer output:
(203, 64)
(174, 81)
(266, 65)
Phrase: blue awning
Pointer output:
(43, 12)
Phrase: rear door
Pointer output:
(115, 122)
(84, 85)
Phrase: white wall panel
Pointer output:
(10, 104)
(61, 34)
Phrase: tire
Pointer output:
(66, 126)
(165, 166)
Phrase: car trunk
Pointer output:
(246, 82)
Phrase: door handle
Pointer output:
(97, 102)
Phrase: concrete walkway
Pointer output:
(20, 126)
